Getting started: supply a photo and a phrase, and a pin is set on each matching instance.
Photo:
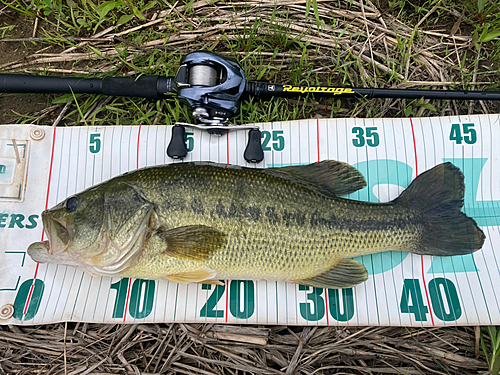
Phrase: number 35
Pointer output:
(371, 137)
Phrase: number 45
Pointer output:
(467, 134)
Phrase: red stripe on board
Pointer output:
(138, 139)
(317, 135)
(421, 257)
(227, 147)
(227, 299)
(326, 306)
(31, 291)
(425, 287)
(326, 290)
(28, 300)
(50, 174)
(43, 229)
(414, 147)
(126, 303)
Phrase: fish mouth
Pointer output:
(39, 251)
(60, 233)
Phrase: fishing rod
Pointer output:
(213, 86)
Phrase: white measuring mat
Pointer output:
(41, 166)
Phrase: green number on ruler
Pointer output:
(142, 298)
(267, 137)
(466, 133)
(359, 141)
(121, 297)
(315, 310)
(278, 140)
(470, 136)
(412, 301)
(278, 143)
(455, 134)
(208, 309)
(95, 143)
(235, 298)
(22, 297)
(189, 139)
(372, 137)
(451, 295)
(347, 304)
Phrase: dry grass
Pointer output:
(221, 349)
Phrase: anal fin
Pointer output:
(204, 275)
(345, 274)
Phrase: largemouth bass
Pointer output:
(202, 222)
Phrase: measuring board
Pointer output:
(41, 166)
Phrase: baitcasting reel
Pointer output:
(212, 86)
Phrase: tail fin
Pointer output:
(439, 195)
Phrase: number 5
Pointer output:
(95, 143)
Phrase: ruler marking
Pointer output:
(317, 140)
(137, 167)
(326, 290)
(421, 256)
(138, 140)
(127, 300)
(227, 299)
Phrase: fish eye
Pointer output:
(72, 204)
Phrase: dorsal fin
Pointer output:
(328, 176)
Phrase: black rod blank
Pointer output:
(265, 91)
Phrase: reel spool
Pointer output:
(203, 75)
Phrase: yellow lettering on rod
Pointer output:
(304, 89)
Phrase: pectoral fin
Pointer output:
(193, 242)
(205, 275)
(345, 274)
